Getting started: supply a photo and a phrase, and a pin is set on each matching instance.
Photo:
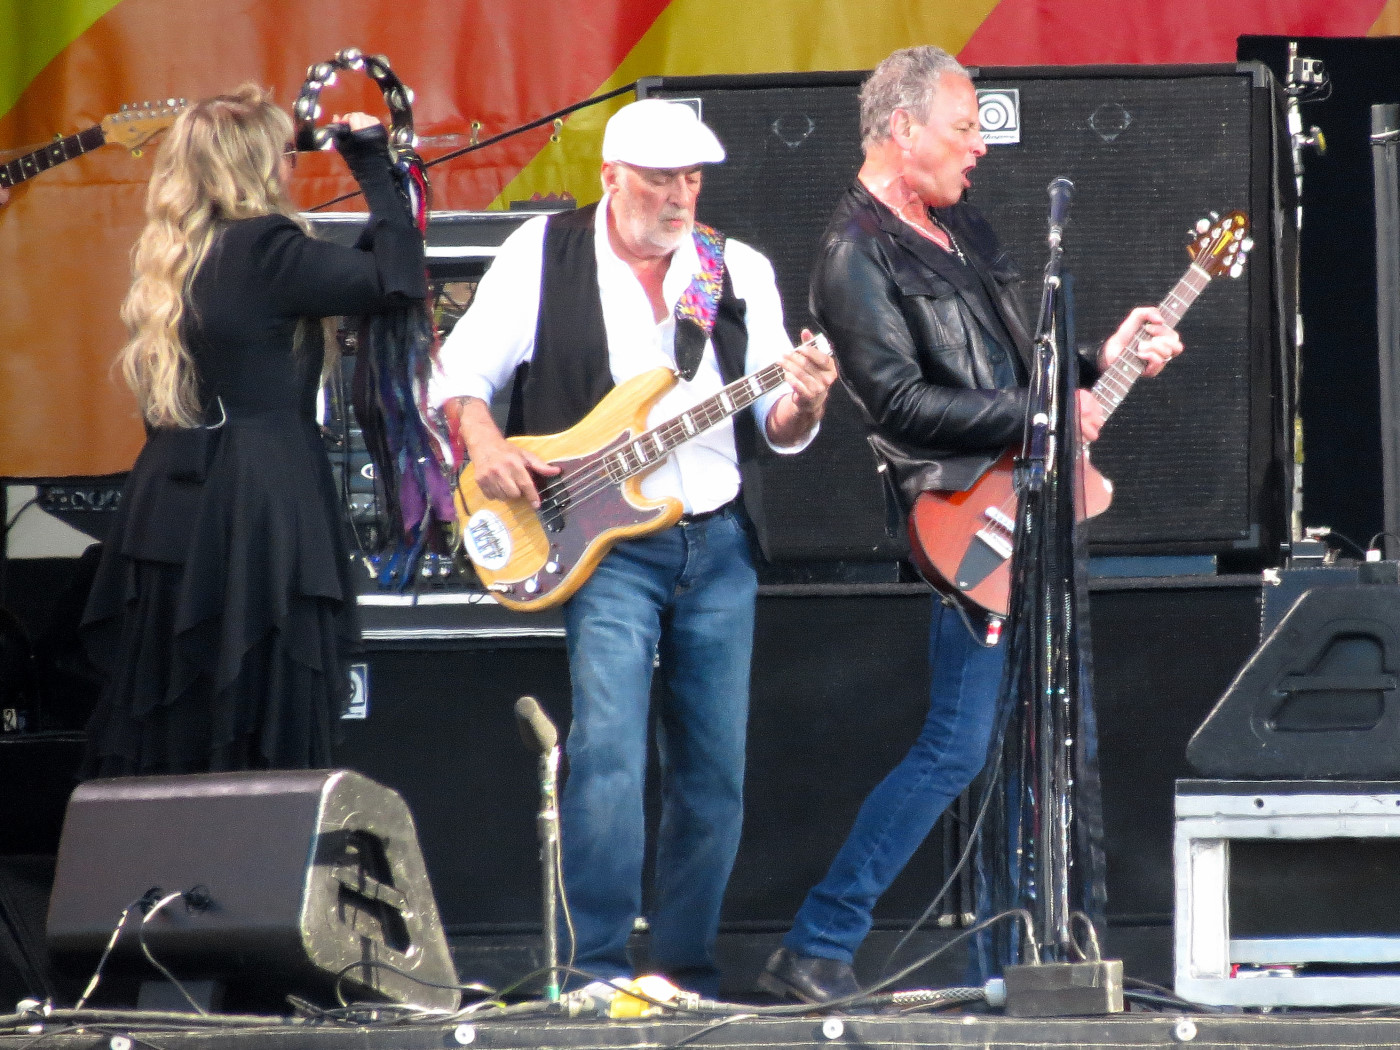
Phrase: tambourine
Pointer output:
(403, 143)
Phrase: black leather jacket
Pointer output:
(913, 349)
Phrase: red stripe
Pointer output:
(1075, 32)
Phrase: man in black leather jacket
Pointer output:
(917, 297)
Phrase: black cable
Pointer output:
(1172, 1003)
(482, 1011)
(1371, 543)
(162, 1019)
(1345, 539)
(711, 1027)
(379, 964)
(31, 501)
(1136, 984)
(146, 951)
(102, 960)
(519, 130)
(972, 838)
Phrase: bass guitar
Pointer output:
(131, 127)
(535, 559)
(961, 542)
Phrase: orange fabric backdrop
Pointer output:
(67, 233)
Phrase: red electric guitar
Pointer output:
(962, 541)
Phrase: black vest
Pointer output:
(569, 371)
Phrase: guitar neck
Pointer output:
(648, 449)
(26, 166)
(1114, 384)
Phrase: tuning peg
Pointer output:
(1247, 244)
(1201, 226)
(1237, 269)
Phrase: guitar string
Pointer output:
(600, 474)
(56, 152)
(1126, 362)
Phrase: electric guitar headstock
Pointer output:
(1219, 244)
(135, 123)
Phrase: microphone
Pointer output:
(536, 729)
(1061, 193)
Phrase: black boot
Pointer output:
(808, 978)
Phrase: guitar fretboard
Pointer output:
(55, 153)
(650, 448)
(1114, 384)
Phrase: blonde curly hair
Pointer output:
(218, 164)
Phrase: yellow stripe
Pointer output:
(696, 37)
(33, 32)
(1388, 21)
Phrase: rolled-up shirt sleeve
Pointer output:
(497, 333)
(754, 282)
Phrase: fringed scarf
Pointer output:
(390, 398)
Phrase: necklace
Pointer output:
(952, 241)
(933, 230)
(927, 225)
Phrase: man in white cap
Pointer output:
(574, 304)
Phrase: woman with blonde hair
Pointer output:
(223, 609)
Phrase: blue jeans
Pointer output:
(898, 815)
(682, 600)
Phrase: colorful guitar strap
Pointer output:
(699, 304)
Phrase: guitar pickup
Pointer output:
(998, 532)
(999, 517)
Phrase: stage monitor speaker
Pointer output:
(1197, 455)
(305, 882)
(1319, 699)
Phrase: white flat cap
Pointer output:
(655, 133)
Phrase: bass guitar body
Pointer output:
(962, 541)
(532, 560)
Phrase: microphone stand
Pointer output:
(1042, 593)
(539, 734)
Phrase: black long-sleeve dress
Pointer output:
(223, 608)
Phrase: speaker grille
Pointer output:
(1196, 455)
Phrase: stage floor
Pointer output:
(1238, 1032)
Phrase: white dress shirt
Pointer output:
(497, 335)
